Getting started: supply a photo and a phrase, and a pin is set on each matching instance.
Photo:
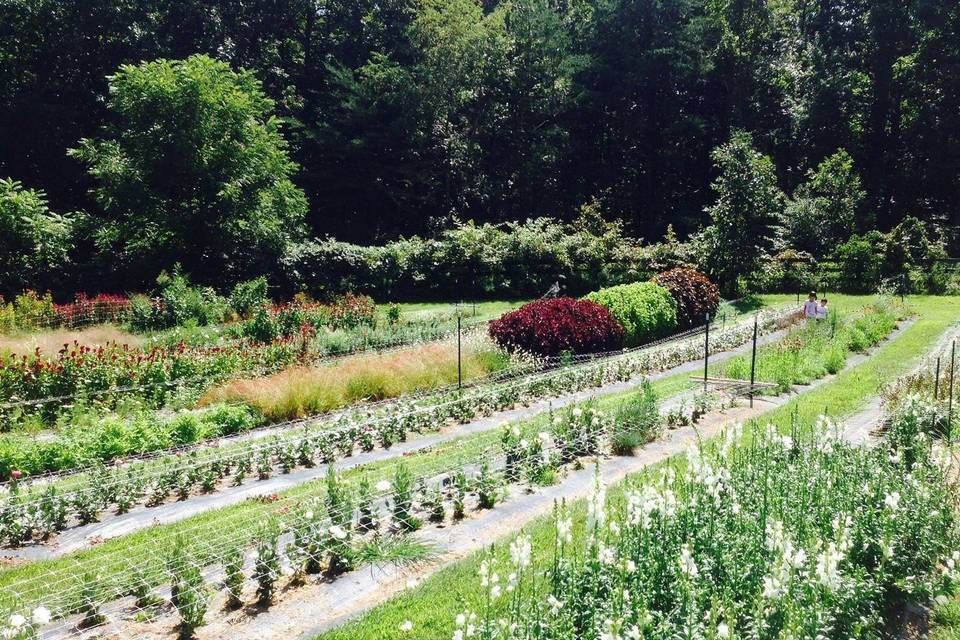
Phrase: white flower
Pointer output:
(723, 631)
(308, 515)
(892, 500)
(520, 550)
(41, 615)
(687, 563)
(461, 619)
(383, 485)
(17, 621)
(337, 532)
(555, 605)
(406, 626)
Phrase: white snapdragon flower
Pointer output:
(687, 563)
(41, 616)
(520, 551)
(383, 485)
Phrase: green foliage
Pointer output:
(749, 203)
(193, 598)
(859, 261)
(823, 212)
(645, 310)
(514, 260)
(192, 170)
(249, 295)
(637, 421)
(36, 241)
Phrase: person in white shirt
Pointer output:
(810, 307)
(822, 310)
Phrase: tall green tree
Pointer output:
(36, 241)
(744, 217)
(824, 210)
(193, 171)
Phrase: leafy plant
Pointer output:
(551, 327)
(645, 310)
(694, 294)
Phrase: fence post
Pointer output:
(753, 359)
(936, 382)
(706, 352)
(953, 358)
(459, 366)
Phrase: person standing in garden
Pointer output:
(822, 309)
(810, 307)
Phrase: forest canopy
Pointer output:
(215, 133)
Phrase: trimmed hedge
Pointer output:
(645, 310)
(552, 327)
(695, 295)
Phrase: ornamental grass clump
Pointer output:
(760, 537)
(645, 310)
(694, 294)
(557, 326)
(637, 421)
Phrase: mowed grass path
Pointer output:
(434, 604)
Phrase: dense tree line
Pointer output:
(396, 117)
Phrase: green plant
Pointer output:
(637, 421)
(193, 598)
(402, 503)
(248, 296)
(234, 578)
(645, 310)
(91, 597)
(266, 567)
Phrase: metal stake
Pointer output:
(953, 358)
(459, 366)
(753, 359)
(936, 382)
(706, 352)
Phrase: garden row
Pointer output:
(42, 510)
(41, 390)
(608, 319)
(345, 521)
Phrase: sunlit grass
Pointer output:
(50, 342)
(303, 391)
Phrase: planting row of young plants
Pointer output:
(814, 348)
(347, 519)
(431, 609)
(44, 510)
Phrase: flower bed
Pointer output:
(46, 510)
(775, 538)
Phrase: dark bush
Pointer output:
(552, 327)
(696, 296)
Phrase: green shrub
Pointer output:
(143, 314)
(249, 295)
(182, 303)
(645, 310)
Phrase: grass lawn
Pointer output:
(435, 602)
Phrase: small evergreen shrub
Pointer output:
(645, 310)
(694, 294)
(551, 327)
